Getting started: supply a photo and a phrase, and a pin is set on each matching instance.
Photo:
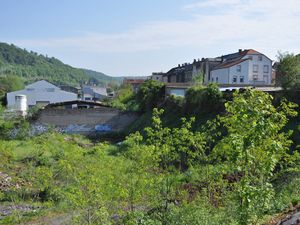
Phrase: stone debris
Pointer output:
(10, 209)
(293, 219)
(7, 183)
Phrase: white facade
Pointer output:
(41, 93)
(251, 69)
(157, 76)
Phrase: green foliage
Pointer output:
(8, 84)
(233, 170)
(288, 71)
(198, 79)
(203, 99)
(149, 95)
(124, 98)
(253, 148)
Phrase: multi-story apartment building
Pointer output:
(245, 67)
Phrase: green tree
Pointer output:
(150, 94)
(198, 79)
(253, 147)
(288, 71)
(200, 99)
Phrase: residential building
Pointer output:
(135, 82)
(40, 93)
(185, 73)
(158, 76)
(245, 67)
(93, 93)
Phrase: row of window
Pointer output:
(255, 68)
(234, 79)
(242, 79)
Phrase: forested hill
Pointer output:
(32, 66)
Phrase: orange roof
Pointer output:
(134, 81)
(250, 52)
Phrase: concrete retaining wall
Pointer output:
(86, 119)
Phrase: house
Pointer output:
(245, 67)
(40, 93)
(93, 93)
(184, 73)
(158, 76)
(135, 82)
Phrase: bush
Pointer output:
(200, 99)
(150, 94)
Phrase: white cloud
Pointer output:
(265, 24)
(211, 3)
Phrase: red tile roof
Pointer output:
(134, 81)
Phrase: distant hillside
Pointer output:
(32, 66)
(102, 77)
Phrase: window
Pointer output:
(241, 79)
(212, 79)
(30, 89)
(88, 99)
(217, 79)
(266, 69)
(255, 77)
(259, 58)
(255, 68)
(250, 57)
(238, 68)
(234, 79)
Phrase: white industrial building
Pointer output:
(40, 93)
(244, 67)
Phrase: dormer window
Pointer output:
(251, 57)
(238, 68)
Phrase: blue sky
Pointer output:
(138, 37)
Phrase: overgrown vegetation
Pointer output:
(237, 168)
(288, 71)
(148, 96)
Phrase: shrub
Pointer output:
(203, 99)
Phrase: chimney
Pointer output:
(240, 50)
(178, 65)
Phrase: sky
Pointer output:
(138, 37)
